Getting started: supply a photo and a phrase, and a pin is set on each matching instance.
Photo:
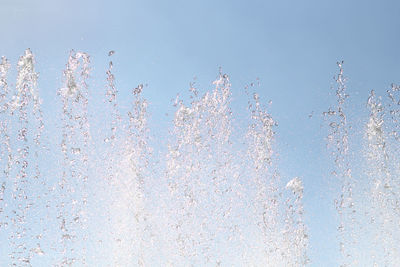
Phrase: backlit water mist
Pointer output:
(93, 191)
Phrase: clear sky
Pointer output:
(291, 46)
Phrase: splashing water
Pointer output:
(100, 194)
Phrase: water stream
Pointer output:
(99, 194)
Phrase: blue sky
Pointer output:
(291, 46)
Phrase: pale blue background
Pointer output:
(291, 46)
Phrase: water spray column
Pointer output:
(183, 173)
(201, 179)
(260, 137)
(5, 148)
(74, 147)
(284, 234)
(110, 168)
(339, 148)
(394, 133)
(25, 124)
(129, 217)
(224, 206)
(384, 209)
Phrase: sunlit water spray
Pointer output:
(97, 193)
